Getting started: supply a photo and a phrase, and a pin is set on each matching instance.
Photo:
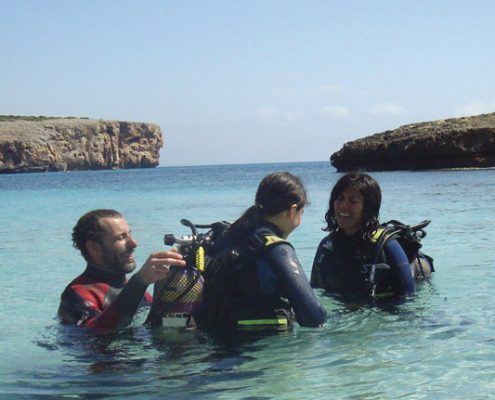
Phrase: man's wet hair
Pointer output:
(88, 228)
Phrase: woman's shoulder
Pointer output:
(267, 227)
(327, 242)
(269, 237)
(393, 244)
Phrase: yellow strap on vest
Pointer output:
(376, 235)
(274, 321)
(272, 239)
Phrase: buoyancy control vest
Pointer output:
(409, 237)
(232, 298)
(367, 271)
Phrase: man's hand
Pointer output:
(157, 265)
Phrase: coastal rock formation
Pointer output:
(466, 142)
(61, 144)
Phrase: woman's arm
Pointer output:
(284, 263)
(402, 279)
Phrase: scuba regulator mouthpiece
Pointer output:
(170, 239)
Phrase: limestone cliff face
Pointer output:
(452, 143)
(77, 144)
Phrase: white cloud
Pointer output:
(294, 116)
(328, 89)
(336, 111)
(366, 93)
(283, 92)
(265, 112)
(387, 109)
(475, 108)
(280, 115)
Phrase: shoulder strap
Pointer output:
(393, 228)
(264, 239)
(379, 238)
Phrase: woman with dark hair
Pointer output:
(255, 280)
(343, 261)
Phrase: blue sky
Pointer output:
(249, 81)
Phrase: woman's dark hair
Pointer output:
(277, 192)
(88, 228)
(372, 196)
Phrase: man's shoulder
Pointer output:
(84, 286)
(83, 280)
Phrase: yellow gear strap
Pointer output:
(200, 258)
(274, 321)
(271, 239)
(376, 235)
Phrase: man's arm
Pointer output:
(85, 305)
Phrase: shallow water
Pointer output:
(439, 345)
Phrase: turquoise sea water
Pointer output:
(440, 345)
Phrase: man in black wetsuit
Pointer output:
(101, 297)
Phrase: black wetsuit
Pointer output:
(341, 266)
(276, 280)
(99, 299)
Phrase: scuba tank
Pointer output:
(177, 297)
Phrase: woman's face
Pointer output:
(298, 217)
(348, 208)
(291, 220)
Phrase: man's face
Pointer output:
(117, 246)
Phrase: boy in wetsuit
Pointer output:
(101, 297)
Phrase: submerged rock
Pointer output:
(467, 142)
(61, 144)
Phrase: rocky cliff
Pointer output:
(452, 143)
(61, 144)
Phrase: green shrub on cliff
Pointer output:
(33, 118)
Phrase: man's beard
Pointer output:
(118, 262)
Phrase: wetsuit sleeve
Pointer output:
(402, 279)
(283, 261)
(84, 305)
(317, 280)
